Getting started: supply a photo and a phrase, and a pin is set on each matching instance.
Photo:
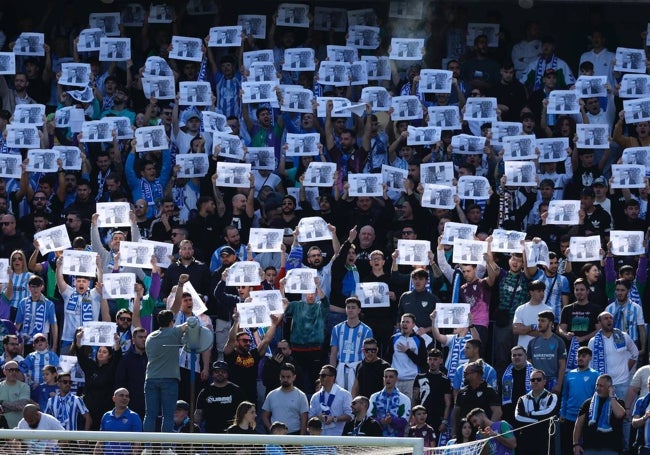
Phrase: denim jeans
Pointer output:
(160, 393)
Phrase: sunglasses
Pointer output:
(474, 94)
(536, 379)
(370, 350)
(125, 319)
(6, 223)
(38, 340)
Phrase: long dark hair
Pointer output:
(242, 409)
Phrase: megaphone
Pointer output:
(196, 338)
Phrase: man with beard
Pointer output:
(34, 419)
(102, 169)
(120, 103)
(186, 264)
(287, 403)
(217, 403)
(315, 259)
(272, 366)
(343, 150)
(38, 205)
(130, 371)
(480, 67)
(361, 424)
(244, 360)
(515, 381)
(204, 227)
(162, 225)
(240, 214)
(233, 242)
(67, 407)
(288, 217)
(108, 256)
(370, 371)
(264, 132)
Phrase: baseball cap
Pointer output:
(181, 404)
(588, 192)
(220, 365)
(226, 250)
(602, 181)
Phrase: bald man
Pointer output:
(34, 419)
(120, 418)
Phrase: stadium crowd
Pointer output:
(564, 337)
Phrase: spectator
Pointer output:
(407, 353)
(331, 404)
(14, 394)
(131, 370)
(120, 418)
(68, 408)
(433, 391)
(361, 424)
(537, 405)
(502, 437)
(599, 427)
(515, 381)
(370, 371)
(286, 404)
(390, 407)
(217, 403)
(579, 384)
(244, 422)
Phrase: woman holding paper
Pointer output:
(100, 377)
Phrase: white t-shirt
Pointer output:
(527, 315)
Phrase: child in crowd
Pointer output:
(46, 389)
(421, 429)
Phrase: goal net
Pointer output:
(468, 448)
(38, 442)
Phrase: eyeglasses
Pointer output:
(64, 381)
(38, 340)
(408, 232)
(536, 379)
(123, 319)
(34, 285)
(369, 350)
(12, 370)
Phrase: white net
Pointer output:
(14, 442)
(468, 448)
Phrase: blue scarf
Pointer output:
(572, 355)
(86, 305)
(599, 362)
(603, 424)
(507, 381)
(456, 354)
(541, 68)
(455, 285)
(33, 309)
(624, 314)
